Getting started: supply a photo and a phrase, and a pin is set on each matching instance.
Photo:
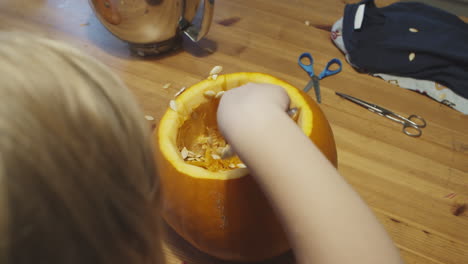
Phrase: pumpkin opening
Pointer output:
(190, 135)
(200, 142)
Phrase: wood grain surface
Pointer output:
(418, 187)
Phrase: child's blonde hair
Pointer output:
(76, 165)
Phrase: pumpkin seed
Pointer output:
(307, 23)
(241, 165)
(180, 91)
(227, 152)
(173, 105)
(209, 93)
(184, 153)
(232, 166)
(219, 94)
(220, 150)
(412, 56)
(214, 76)
(215, 156)
(216, 70)
(414, 30)
(149, 118)
(167, 85)
(209, 50)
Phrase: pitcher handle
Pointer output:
(200, 25)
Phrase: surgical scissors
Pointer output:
(410, 127)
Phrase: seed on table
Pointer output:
(216, 70)
(412, 56)
(167, 85)
(149, 118)
(209, 50)
(307, 23)
(180, 91)
(414, 30)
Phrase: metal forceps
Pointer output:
(410, 127)
(315, 80)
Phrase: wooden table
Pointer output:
(418, 187)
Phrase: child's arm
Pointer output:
(326, 220)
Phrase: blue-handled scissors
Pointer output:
(315, 80)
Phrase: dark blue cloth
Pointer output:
(384, 42)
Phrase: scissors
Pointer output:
(410, 127)
(309, 68)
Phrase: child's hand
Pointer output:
(249, 103)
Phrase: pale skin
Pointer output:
(326, 220)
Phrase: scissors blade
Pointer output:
(371, 107)
(309, 86)
(316, 83)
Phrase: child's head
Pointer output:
(77, 175)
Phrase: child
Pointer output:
(77, 167)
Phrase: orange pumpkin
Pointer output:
(214, 203)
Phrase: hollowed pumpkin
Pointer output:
(212, 203)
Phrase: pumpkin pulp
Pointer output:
(200, 135)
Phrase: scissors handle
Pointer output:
(420, 122)
(413, 124)
(412, 130)
(327, 72)
(306, 62)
